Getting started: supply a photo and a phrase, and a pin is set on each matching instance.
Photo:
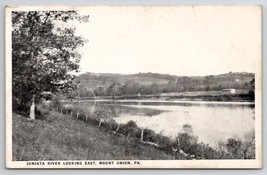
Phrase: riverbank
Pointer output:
(59, 137)
(163, 101)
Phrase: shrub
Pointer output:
(129, 129)
(136, 133)
(113, 126)
(166, 144)
(82, 117)
(186, 140)
(150, 136)
(131, 124)
(205, 151)
(233, 147)
(92, 121)
(122, 129)
(248, 146)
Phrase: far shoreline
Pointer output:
(165, 101)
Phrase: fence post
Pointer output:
(142, 134)
(78, 115)
(117, 127)
(100, 123)
(93, 107)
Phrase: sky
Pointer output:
(177, 40)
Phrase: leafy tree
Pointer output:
(43, 53)
(114, 89)
(100, 91)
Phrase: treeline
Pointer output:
(180, 84)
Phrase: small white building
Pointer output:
(229, 91)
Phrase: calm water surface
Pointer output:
(211, 121)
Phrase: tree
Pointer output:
(43, 53)
(103, 114)
(252, 88)
(114, 89)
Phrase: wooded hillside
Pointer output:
(150, 83)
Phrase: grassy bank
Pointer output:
(60, 137)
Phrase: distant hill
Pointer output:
(94, 80)
(228, 80)
(123, 85)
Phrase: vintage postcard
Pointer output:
(133, 87)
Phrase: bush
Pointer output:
(150, 136)
(166, 143)
(113, 126)
(136, 133)
(92, 121)
(233, 147)
(131, 124)
(82, 117)
(122, 129)
(186, 140)
(129, 130)
(248, 146)
(204, 151)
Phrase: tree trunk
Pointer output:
(32, 108)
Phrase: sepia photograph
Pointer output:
(137, 87)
